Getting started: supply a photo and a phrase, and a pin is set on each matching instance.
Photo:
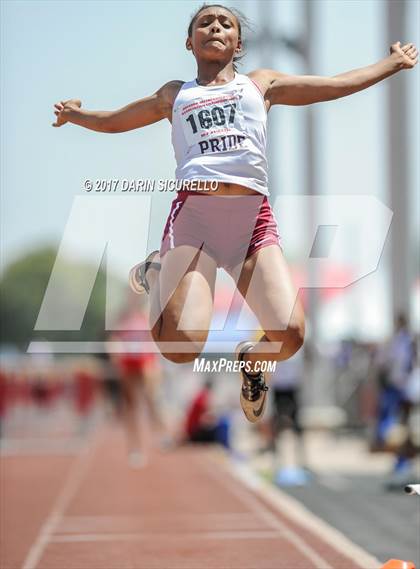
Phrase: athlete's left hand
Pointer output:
(407, 54)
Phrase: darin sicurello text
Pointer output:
(125, 185)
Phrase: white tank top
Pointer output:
(220, 133)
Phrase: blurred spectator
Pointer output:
(85, 390)
(139, 372)
(40, 391)
(395, 362)
(355, 375)
(409, 429)
(285, 385)
(202, 423)
(111, 385)
(3, 398)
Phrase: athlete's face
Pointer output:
(215, 35)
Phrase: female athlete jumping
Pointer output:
(219, 135)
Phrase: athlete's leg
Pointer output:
(151, 380)
(181, 298)
(265, 282)
(129, 389)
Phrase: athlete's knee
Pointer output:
(296, 335)
(290, 338)
(186, 346)
(181, 357)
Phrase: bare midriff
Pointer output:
(227, 189)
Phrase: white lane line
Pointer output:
(94, 537)
(161, 517)
(69, 489)
(40, 447)
(121, 525)
(296, 511)
(264, 513)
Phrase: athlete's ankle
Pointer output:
(250, 362)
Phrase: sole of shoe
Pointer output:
(132, 281)
(253, 410)
(135, 285)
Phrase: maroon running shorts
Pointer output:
(228, 228)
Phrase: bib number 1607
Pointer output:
(214, 117)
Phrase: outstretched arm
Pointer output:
(135, 115)
(279, 88)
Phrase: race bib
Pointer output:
(218, 116)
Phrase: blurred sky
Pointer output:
(111, 53)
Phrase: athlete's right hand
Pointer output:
(62, 108)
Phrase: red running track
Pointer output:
(185, 510)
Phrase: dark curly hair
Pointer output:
(242, 21)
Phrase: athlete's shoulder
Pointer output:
(263, 78)
(267, 80)
(170, 90)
